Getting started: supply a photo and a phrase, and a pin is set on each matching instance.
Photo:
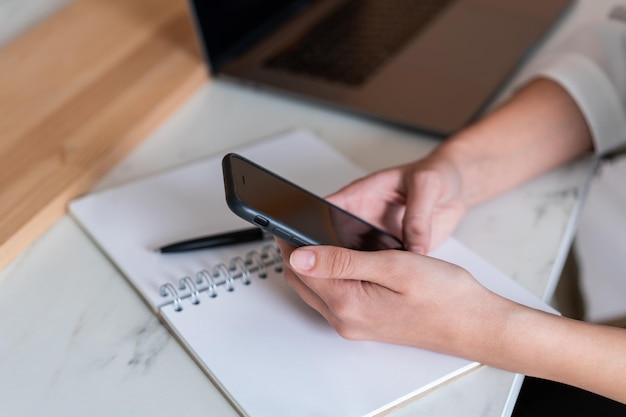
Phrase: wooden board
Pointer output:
(77, 93)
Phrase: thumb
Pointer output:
(340, 263)
(422, 199)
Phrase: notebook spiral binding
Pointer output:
(223, 275)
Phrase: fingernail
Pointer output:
(302, 259)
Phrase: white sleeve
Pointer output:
(591, 66)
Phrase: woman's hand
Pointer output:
(394, 296)
(419, 202)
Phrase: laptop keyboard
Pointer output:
(356, 39)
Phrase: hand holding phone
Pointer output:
(294, 214)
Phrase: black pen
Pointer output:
(222, 239)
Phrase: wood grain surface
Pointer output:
(77, 93)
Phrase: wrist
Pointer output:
(461, 161)
(538, 128)
(532, 343)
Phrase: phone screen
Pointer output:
(292, 213)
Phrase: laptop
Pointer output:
(433, 65)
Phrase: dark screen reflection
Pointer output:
(312, 216)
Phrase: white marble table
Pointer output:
(75, 339)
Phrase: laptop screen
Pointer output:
(229, 26)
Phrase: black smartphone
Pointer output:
(293, 213)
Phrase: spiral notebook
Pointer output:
(268, 352)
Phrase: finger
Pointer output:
(351, 196)
(424, 193)
(306, 294)
(377, 199)
(331, 262)
(294, 281)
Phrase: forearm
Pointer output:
(585, 355)
(538, 129)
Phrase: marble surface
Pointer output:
(75, 339)
(601, 244)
